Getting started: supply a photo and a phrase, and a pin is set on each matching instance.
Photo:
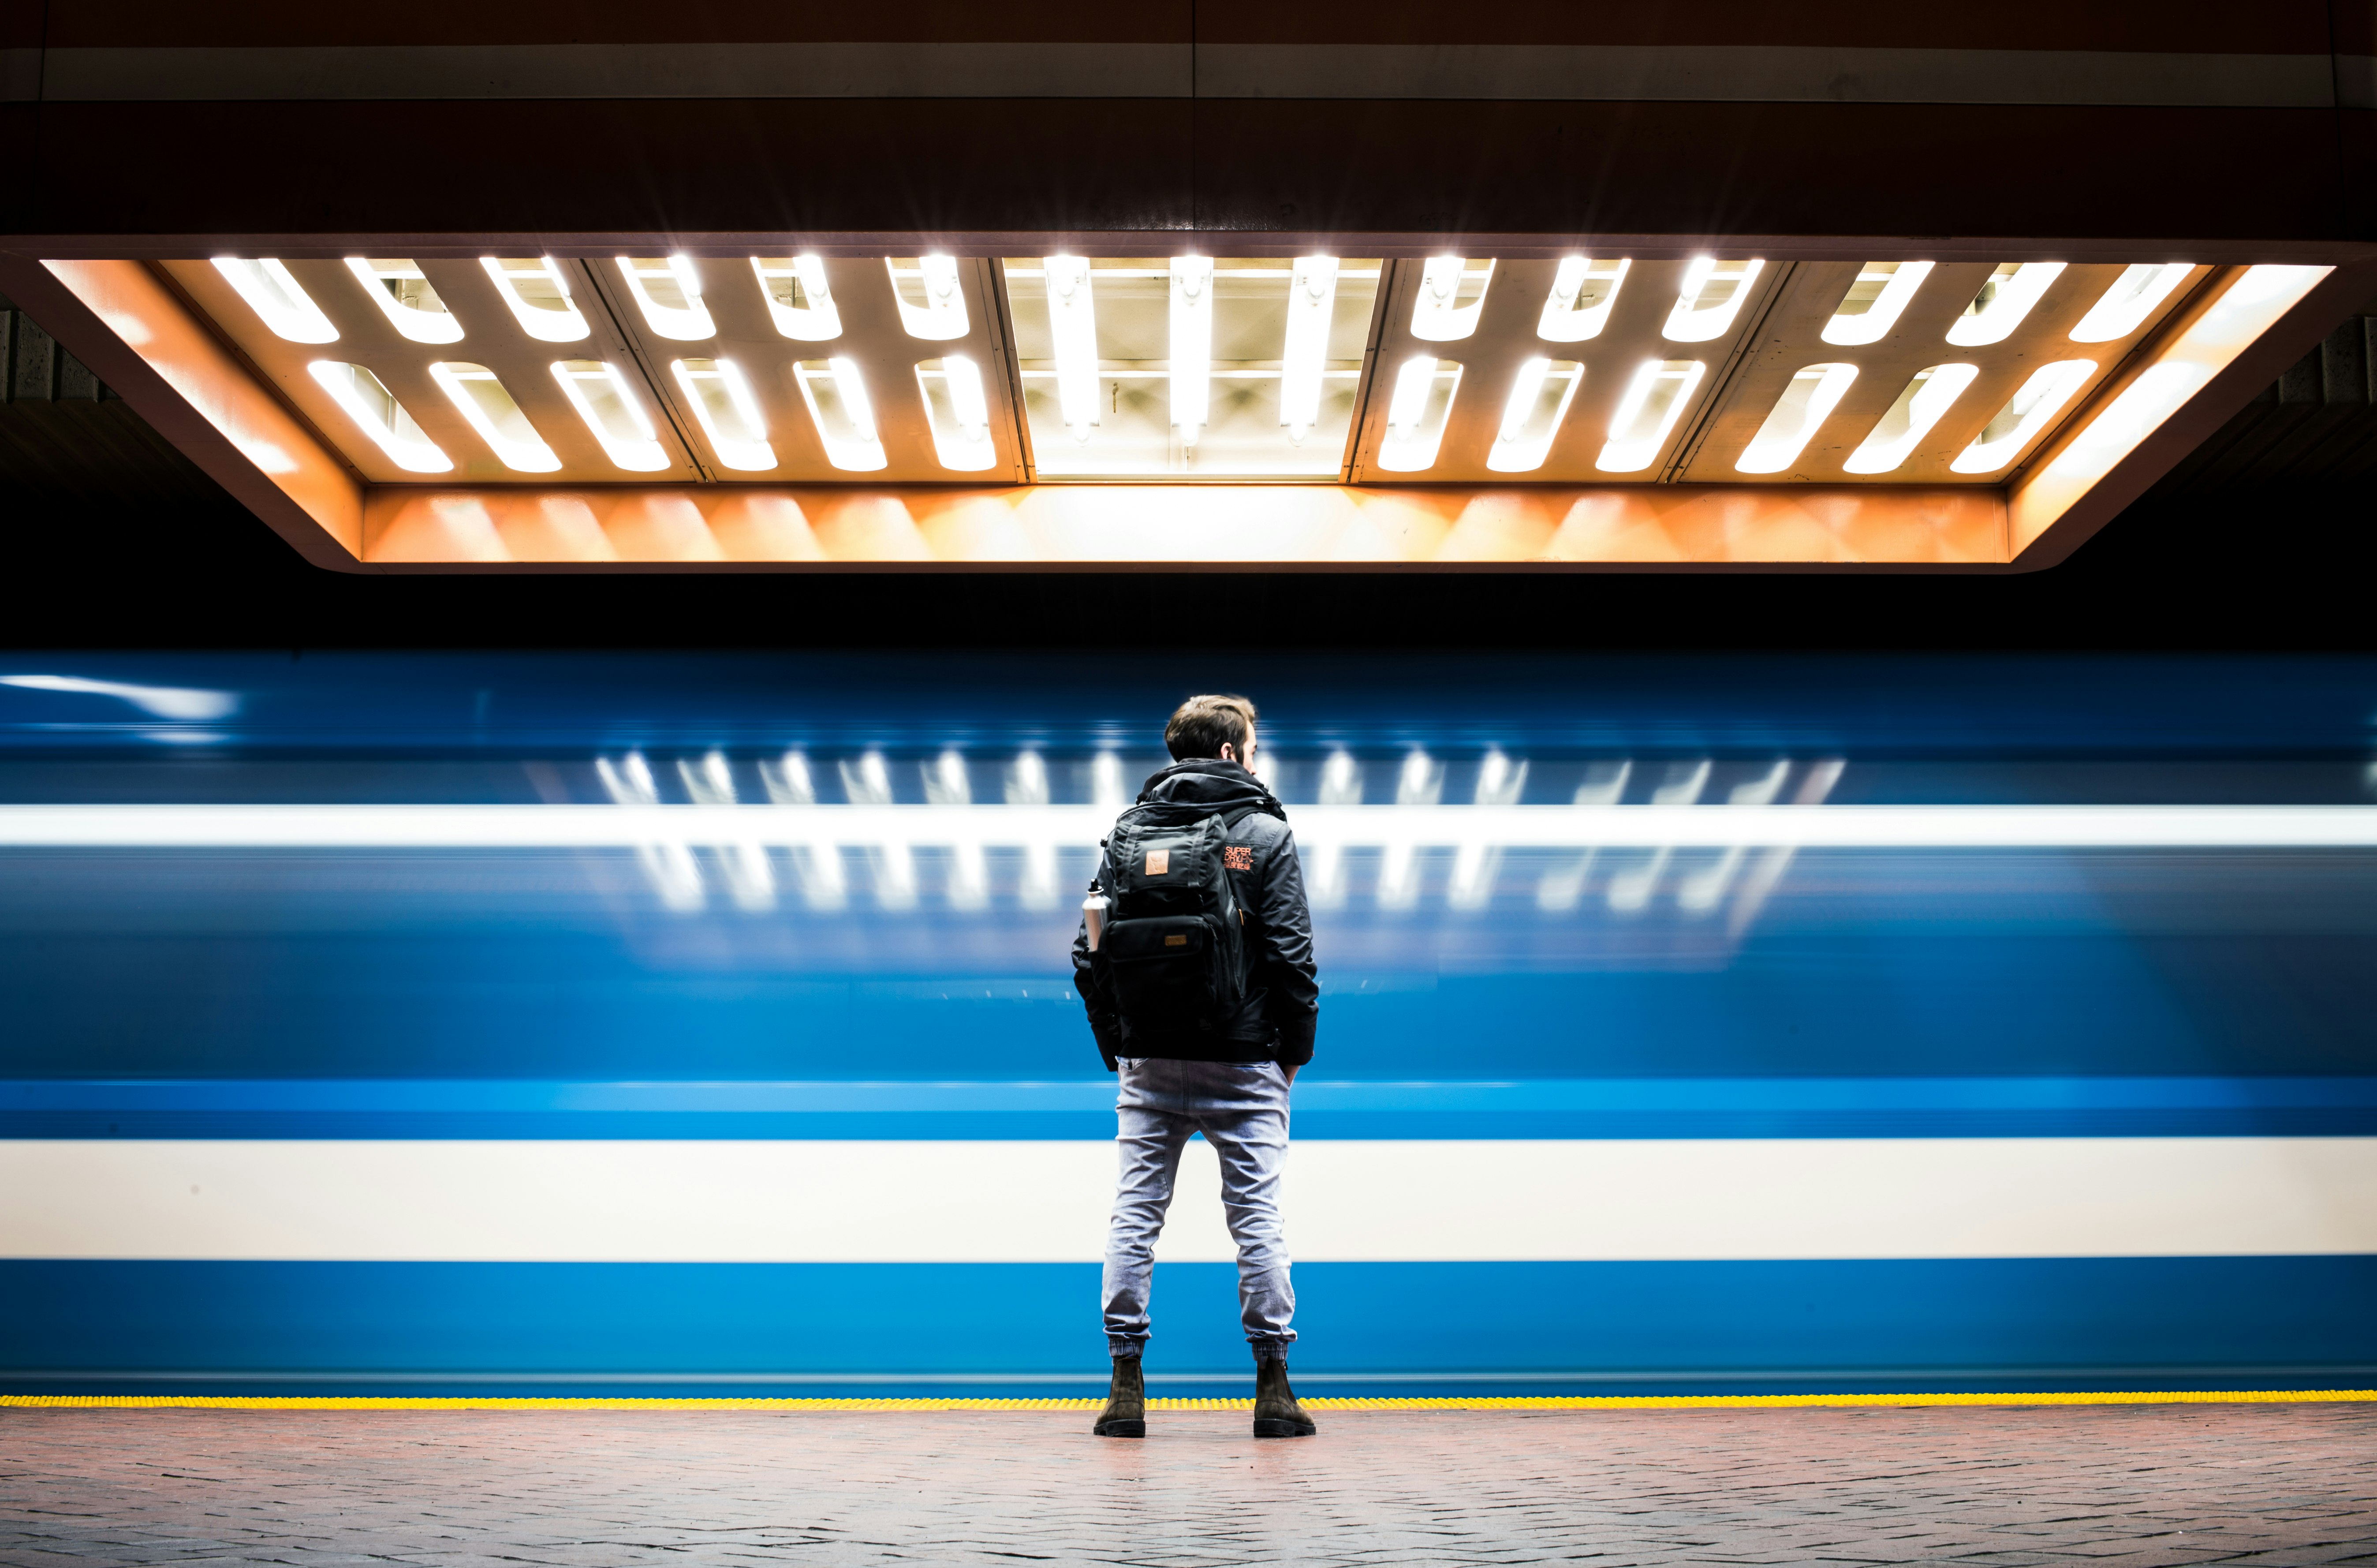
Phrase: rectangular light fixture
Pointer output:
(1073, 339)
(1928, 395)
(728, 413)
(1807, 399)
(1540, 396)
(1190, 345)
(835, 391)
(1311, 305)
(2002, 302)
(1418, 414)
(1647, 413)
(491, 410)
(613, 415)
(1874, 300)
(398, 286)
(366, 400)
(1583, 291)
(538, 293)
(799, 299)
(669, 294)
(2025, 416)
(279, 300)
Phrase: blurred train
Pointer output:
(348, 1047)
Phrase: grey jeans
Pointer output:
(1241, 1107)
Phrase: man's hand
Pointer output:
(1291, 1069)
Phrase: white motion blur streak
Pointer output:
(667, 861)
(162, 701)
(630, 824)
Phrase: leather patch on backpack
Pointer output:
(1238, 857)
(1159, 862)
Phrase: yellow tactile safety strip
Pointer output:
(1512, 1402)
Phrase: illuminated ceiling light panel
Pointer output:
(958, 412)
(538, 293)
(2002, 302)
(932, 303)
(2025, 414)
(1807, 399)
(1303, 357)
(1646, 415)
(835, 392)
(396, 285)
(276, 298)
(489, 409)
(1416, 415)
(1872, 305)
(2133, 298)
(1540, 396)
(1583, 291)
(1711, 297)
(728, 413)
(368, 402)
(669, 294)
(1191, 345)
(1073, 331)
(798, 299)
(613, 414)
(1928, 395)
(1452, 296)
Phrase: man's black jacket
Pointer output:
(1283, 992)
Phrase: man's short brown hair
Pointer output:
(1201, 725)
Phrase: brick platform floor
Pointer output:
(2122, 1485)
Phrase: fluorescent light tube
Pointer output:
(2025, 414)
(1418, 414)
(799, 300)
(942, 314)
(669, 295)
(1540, 396)
(1191, 345)
(1583, 291)
(1928, 395)
(1711, 295)
(1654, 401)
(835, 392)
(395, 284)
(728, 413)
(2133, 298)
(1311, 305)
(1073, 341)
(959, 413)
(607, 403)
(491, 410)
(1807, 399)
(276, 298)
(370, 404)
(1881, 291)
(1441, 315)
(538, 293)
(2002, 302)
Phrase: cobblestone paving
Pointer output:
(2120, 1485)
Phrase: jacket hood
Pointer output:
(1203, 786)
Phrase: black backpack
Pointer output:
(1175, 938)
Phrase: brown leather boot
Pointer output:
(1126, 1411)
(1276, 1412)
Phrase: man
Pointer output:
(1201, 993)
